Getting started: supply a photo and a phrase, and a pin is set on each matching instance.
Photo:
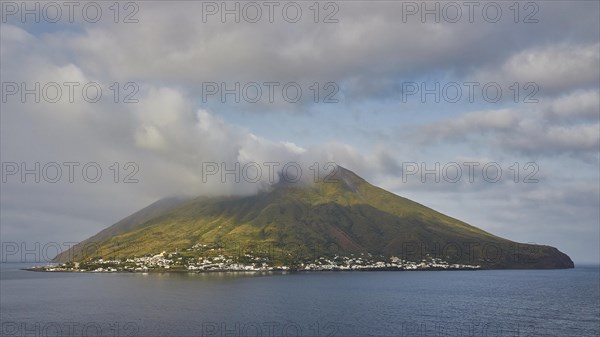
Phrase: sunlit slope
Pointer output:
(342, 215)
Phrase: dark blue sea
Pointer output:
(515, 303)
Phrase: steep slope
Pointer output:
(134, 220)
(341, 215)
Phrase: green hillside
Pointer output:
(341, 216)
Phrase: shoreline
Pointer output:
(164, 271)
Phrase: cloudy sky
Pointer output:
(386, 89)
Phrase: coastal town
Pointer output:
(177, 262)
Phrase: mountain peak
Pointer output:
(349, 179)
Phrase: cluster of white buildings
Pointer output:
(223, 263)
(394, 263)
(146, 263)
(174, 261)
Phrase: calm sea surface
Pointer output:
(515, 303)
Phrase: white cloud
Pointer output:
(551, 128)
(471, 122)
(578, 105)
(554, 68)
